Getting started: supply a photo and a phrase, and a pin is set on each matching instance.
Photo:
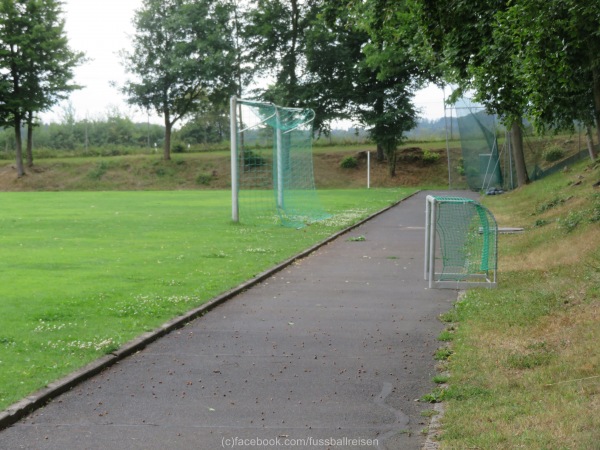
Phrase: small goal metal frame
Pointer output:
(471, 259)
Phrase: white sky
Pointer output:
(101, 29)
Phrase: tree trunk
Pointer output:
(596, 92)
(29, 148)
(167, 146)
(389, 146)
(18, 147)
(380, 155)
(391, 156)
(590, 142)
(379, 107)
(518, 155)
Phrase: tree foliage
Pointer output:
(335, 60)
(475, 53)
(335, 65)
(210, 125)
(522, 57)
(183, 55)
(276, 37)
(557, 59)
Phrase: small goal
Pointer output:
(461, 243)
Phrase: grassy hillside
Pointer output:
(524, 365)
(211, 170)
(127, 169)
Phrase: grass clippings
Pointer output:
(525, 372)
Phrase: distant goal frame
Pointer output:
(272, 169)
(441, 270)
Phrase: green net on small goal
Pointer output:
(272, 164)
(461, 243)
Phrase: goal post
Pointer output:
(461, 243)
(272, 175)
(235, 207)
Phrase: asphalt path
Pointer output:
(331, 352)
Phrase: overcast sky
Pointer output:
(101, 29)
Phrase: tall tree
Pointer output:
(396, 64)
(183, 52)
(37, 64)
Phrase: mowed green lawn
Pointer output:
(83, 273)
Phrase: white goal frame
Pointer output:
(278, 169)
(487, 279)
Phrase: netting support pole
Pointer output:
(447, 140)
(235, 209)
(368, 170)
(279, 161)
(426, 252)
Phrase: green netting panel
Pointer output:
(479, 146)
(467, 236)
(275, 161)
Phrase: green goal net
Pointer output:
(272, 164)
(478, 140)
(461, 247)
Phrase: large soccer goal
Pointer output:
(461, 243)
(272, 175)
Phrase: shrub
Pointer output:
(204, 179)
(164, 168)
(349, 162)
(430, 157)
(98, 171)
(178, 148)
(252, 160)
(460, 168)
(553, 154)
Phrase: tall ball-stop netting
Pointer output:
(481, 158)
(486, 161)
(272, 164)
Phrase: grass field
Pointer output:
(524, 362)
(82, 273)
